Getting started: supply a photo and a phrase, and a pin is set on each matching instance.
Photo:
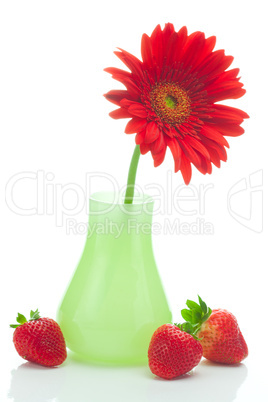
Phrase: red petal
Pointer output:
(194, 143)
(220, 86)
(138, 110)
(135, 108)
(132, 88)
(213, 134)
(176, 152)
(144, 148)
(222, 66)
(208, 47)
(214, 157)
(157, 46)
(231, 130)
(120, 114)
(229, 75)
(171, 132)
(178, 45)
(115, 96)
(159, 158)
(189, 152)
(126, 103)
(140, 137)
(171, 48)
(233, 91)
(167, 33)
(186, 169)
(210, 63)
(146, 51)
(205, 166)
(131, 62)
(152, 132)
(135, 125)
(117, 72)
(193, 49)
(209, 166)
(217, 147)
(228, 114)
(158, 144)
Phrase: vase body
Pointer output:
(115, 300)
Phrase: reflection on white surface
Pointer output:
(30, 382)
(75, 381)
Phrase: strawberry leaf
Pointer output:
(21, 319)
(193, 306)
(186, 314)
(34, 315)
(187, 327)
(196, 315)
(203, 305)
(207, 315)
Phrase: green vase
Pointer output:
(115, 300)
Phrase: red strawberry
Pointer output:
(173, 352)
(39, 340)
(222, 339)
(217, 331)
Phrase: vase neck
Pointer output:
(118, 219)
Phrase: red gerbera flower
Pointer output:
(170, 97)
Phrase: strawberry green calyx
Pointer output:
(21, 319)
(189, 328)
(195, 316)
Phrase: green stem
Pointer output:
(132, 175)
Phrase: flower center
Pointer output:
(171, 103)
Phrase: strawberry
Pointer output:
(39, 340)
(173, 352)
(217, 331)
(222, 339)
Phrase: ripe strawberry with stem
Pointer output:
(217, 331)
(39, 340)
(173, 352)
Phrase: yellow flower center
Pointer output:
(170, 102)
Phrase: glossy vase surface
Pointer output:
(115, 300)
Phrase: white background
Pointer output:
(54, 121)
